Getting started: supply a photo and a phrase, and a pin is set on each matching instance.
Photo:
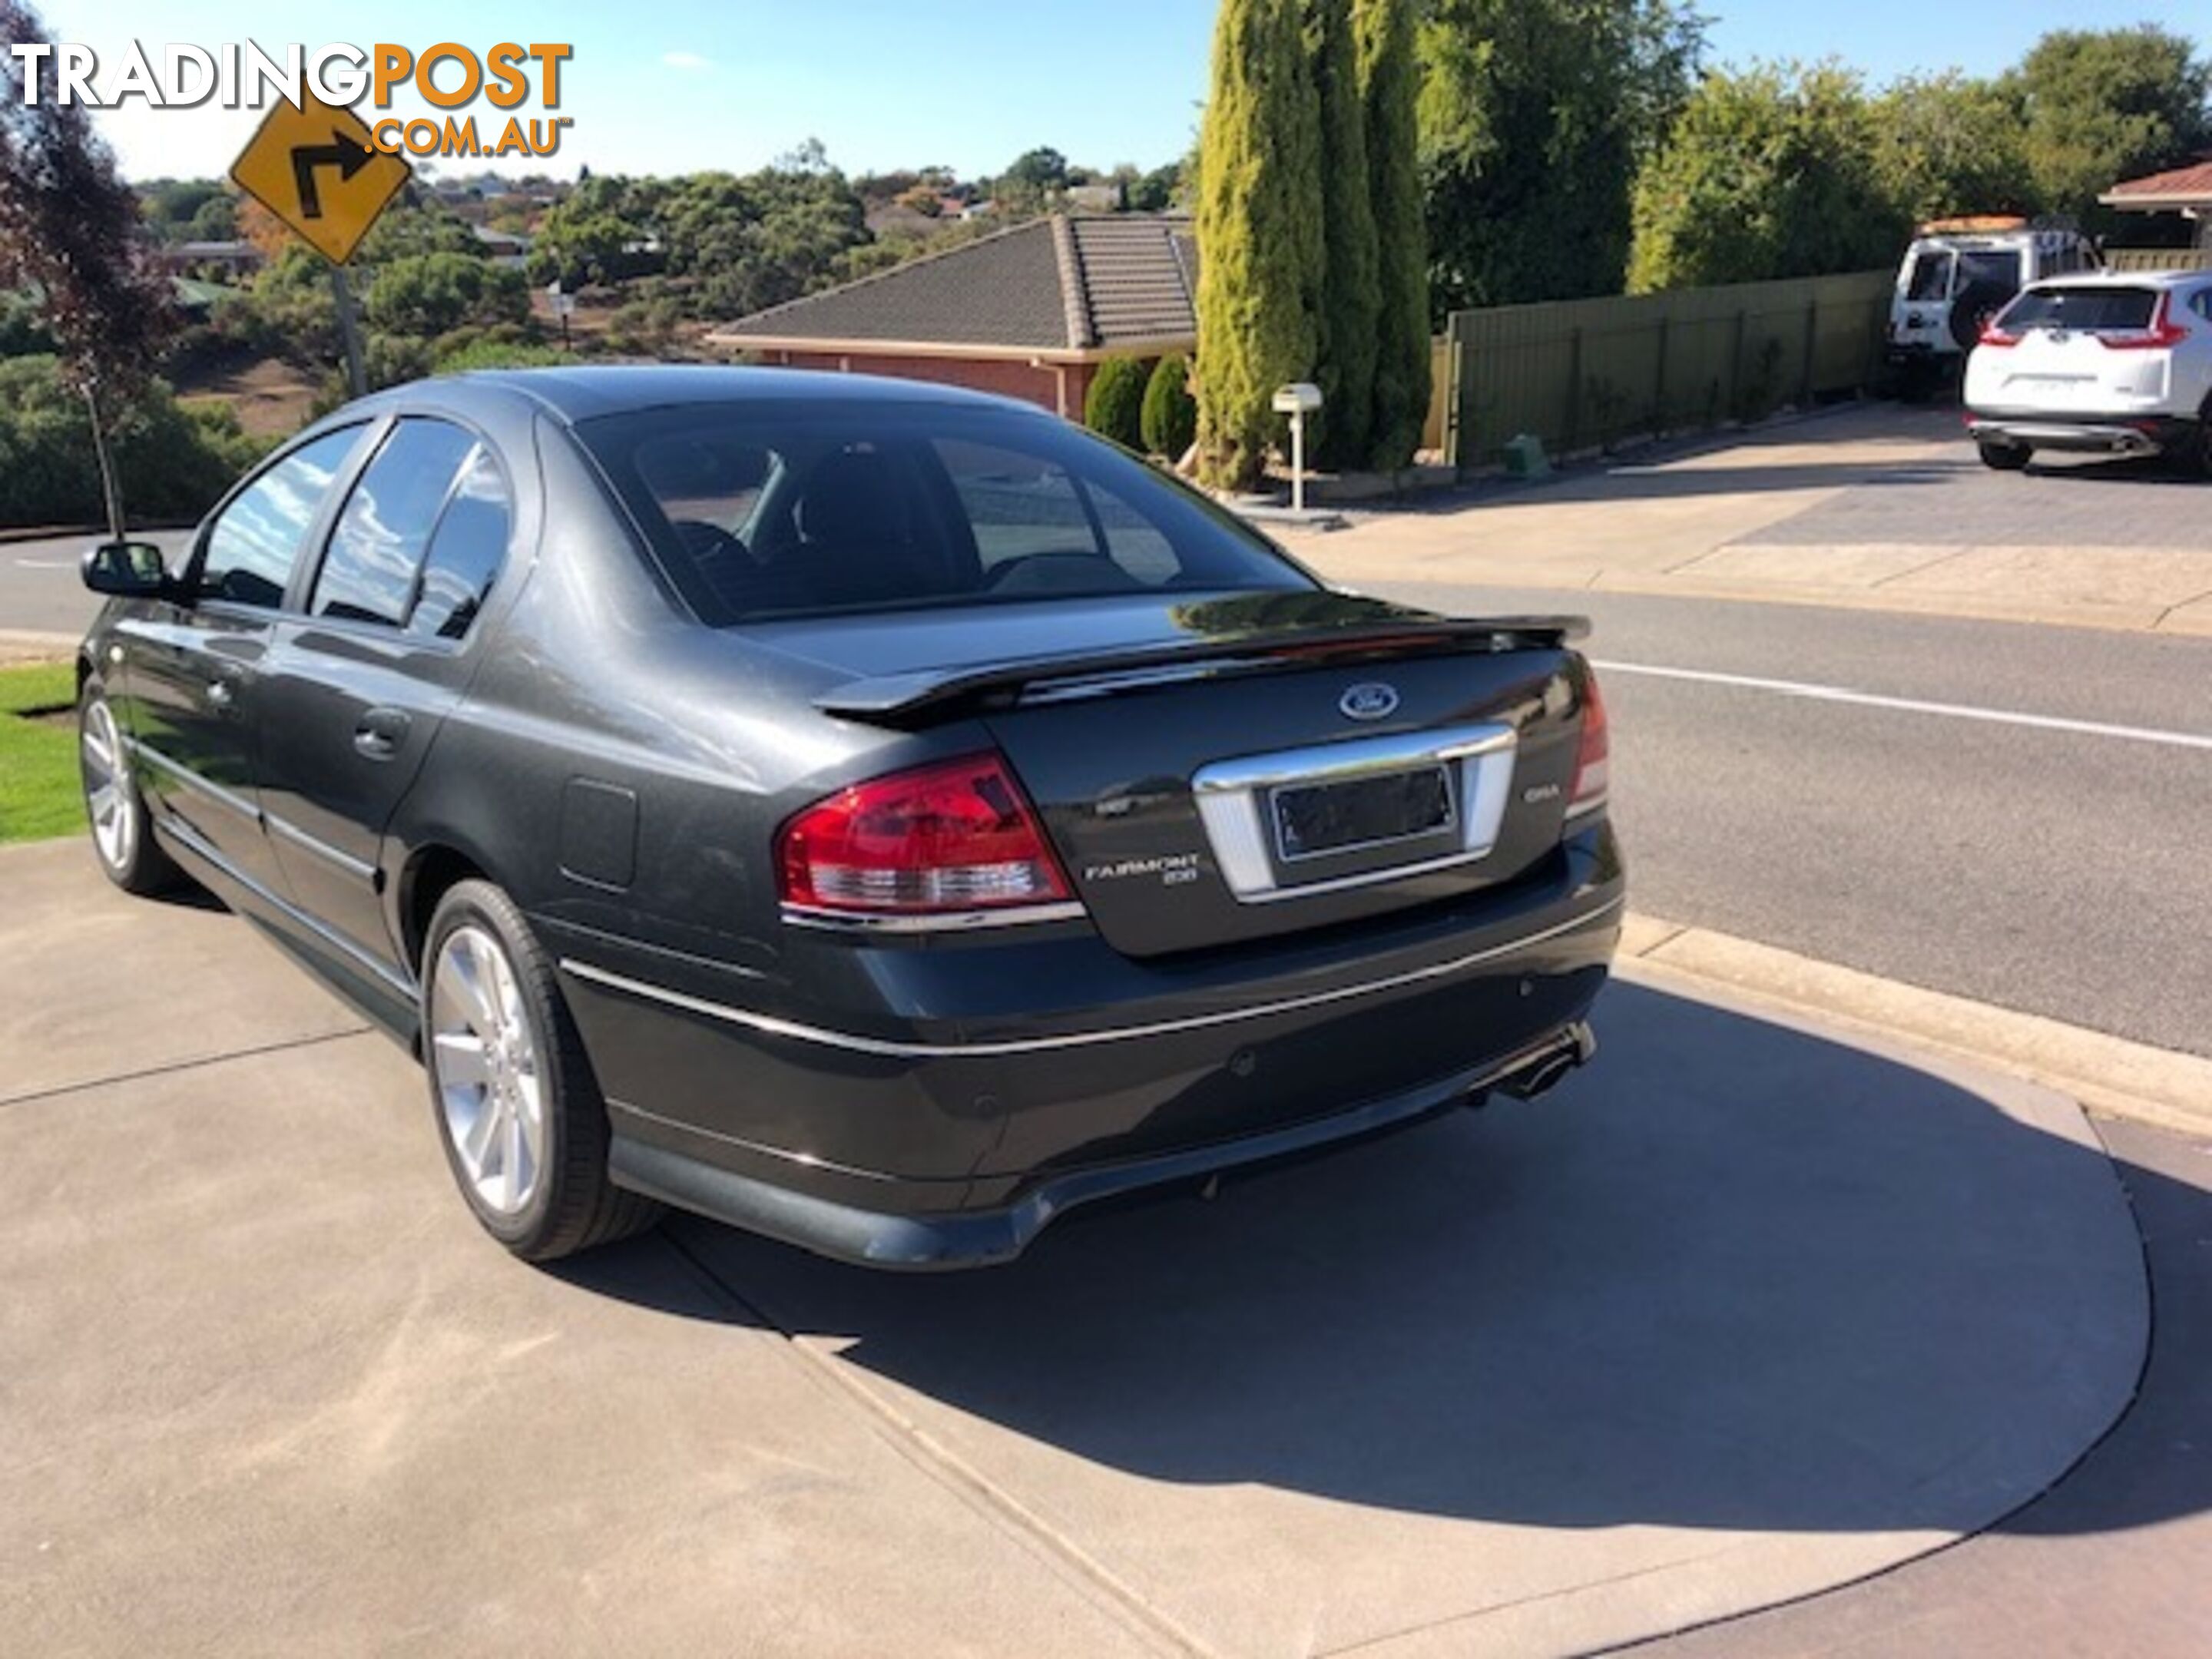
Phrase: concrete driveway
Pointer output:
(1747, 1311)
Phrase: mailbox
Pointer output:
(1297, 400)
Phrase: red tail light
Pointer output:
(2162, 332)
(955, 835)
(1994, 334)
(1591, 758)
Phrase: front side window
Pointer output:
(781, 509)
(376, 551)
(256, 540)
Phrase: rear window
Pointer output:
(787, 508)
(2088, 309)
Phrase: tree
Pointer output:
(1949, 144)
(1351, 297)
(70, 230)
(1259, 234)
(1157, 191)
(1114, 406)
(1534, 116)
(2107, 105)
(1382, 32)
(427, 294)
(1169, 423)
(1769, 173)
(216, 221)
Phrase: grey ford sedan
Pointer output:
(873, 815)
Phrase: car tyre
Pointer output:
(517, 1107)
(2005, 457)
(122, 828)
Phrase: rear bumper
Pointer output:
(983, 1087)
(2092, 434)
(944, 1240)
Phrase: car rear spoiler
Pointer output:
(921, 697)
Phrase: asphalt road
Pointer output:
(2063, 869)
(40, 591)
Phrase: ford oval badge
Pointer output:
(1371, 700)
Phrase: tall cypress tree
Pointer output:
(1382, 32)
(1260, 217)
(1352, 298)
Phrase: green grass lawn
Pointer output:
(40, 795)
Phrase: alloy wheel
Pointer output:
(485, 1064)
(107, 786)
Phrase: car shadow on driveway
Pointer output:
(1737, 1276)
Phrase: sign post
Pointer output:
(315, 167)
(564, 307)
(348, 331)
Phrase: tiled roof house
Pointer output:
(2186, 190)
(1028, 311)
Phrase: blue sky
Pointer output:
(674, 85)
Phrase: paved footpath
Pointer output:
(1876, 504)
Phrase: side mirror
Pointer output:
(130, 570)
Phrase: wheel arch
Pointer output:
(432, 869)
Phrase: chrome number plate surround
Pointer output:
(1235, 797)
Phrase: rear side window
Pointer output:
(376, 551)
(422, 535)
(466, 551)
(2083, 309)
(786, 507)
(255, 541)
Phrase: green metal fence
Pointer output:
(1585, 373)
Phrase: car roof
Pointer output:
(584, 393)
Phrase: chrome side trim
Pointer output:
(359, 870)
(951, 921)
(192, 780)
(1229, 795)
(890, 1049)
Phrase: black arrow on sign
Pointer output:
(343, 153)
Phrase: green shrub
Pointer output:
(1114, 406)
(1170, 422)
(174, 458)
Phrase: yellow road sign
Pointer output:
(314, 166)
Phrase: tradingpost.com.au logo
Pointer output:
(241, 75)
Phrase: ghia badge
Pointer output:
(1370, 700)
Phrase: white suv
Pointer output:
(2115, 364)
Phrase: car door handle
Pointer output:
(219, 696)
(381, 731)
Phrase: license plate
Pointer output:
(1318, 819)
